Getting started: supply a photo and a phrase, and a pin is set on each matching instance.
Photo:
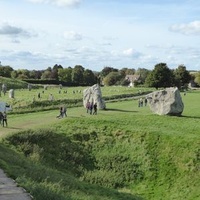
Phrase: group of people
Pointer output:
(91, 108)
(141, 102)
(63, 112)
(3, 119)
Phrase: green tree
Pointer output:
(126, 71)
(113, 78)
(107, 70)
(14, 74)
(65, 75)
(77, 75)
(23, 74)
(160, 76)
(56, 67)
(182, 76)
(54, 71)
(5, 71)
(46, 74)
(89, 77)
(35, 74)
(143, 74)
(197, 78)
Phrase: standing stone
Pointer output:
(93, 94)
(29, 87)
(45, 87)
(166, 102)
(11, 93)
(4, 88)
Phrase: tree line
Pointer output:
(160, 76)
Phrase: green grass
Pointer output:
(122, 152)
(24, 98)
(12, 83)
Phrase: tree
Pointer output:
(130, 71)
(65, 74)
(54, 71)
(113, 78)
(35, 74)
(14, 74)
(89, 77)
(143, 74)
(197, 78)
(126, 71)
(107, 70)
(5, 71)
(77, 75)
(56, 67)
(182, 76)
(23, 74)
(50, 73)
(161, 76)
(46, 74)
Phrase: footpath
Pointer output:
(9, 189)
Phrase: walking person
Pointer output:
(64, 111)
(61, 113)
(145, 101)
(141, 102)
(95, 109)
(5, 119)
(88, 106)
(1, 118)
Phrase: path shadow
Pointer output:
(119, 110)
(15, 128)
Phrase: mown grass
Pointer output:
(29, 101)
(122, 152)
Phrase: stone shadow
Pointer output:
(119, 110)
(191, 117)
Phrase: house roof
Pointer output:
(132, 78)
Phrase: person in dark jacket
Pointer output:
(95, 109)
(5, 119)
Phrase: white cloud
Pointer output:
(58, 2)
(128, 52)
(192, 28)
(72, 35)
(131, 53)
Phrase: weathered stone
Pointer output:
(93, 94)
(166, 102)
(11, 93)
(4, 88)
(29, 87)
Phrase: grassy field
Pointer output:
(124, 152)
(24, 97)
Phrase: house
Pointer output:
(133, 78)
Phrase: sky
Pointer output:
(37, 34)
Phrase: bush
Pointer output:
(114, 171)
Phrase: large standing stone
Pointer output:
(166, 102)
(93, 94)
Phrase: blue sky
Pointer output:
(36, 34)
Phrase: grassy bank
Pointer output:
(124, 152)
